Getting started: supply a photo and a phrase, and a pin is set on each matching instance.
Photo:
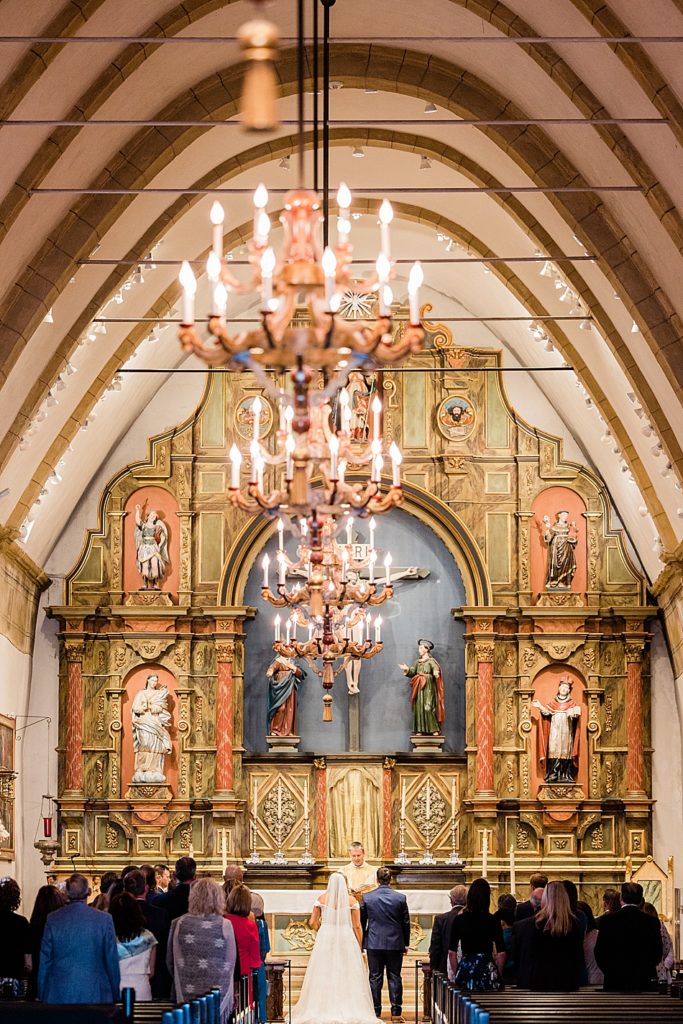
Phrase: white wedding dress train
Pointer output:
(336, 989)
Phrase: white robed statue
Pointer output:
(151, 543)
(150, 719)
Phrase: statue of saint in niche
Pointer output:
(560, 537)
(285, 676)
(558, 735)
(151, 543)
(150, 719)
(427, 691)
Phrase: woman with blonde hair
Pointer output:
(554, 946)
(201, 947)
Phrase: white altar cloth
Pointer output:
(300, 901)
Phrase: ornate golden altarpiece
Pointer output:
(482, 479)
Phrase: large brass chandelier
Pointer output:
(316, 477)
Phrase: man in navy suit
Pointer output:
(629, 944)
(386, 937)
(79, 961)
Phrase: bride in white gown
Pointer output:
(336, 989)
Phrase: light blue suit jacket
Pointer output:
(79, 962)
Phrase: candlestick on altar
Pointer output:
(428, 857)
(223, 834)
(307, 858)
(254, 857)
(484, 852)
(513, 879)
(453, 858)
(279, 857)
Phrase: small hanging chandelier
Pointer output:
(332, 603)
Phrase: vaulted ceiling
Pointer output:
(81, 205)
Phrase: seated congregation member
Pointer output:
(666, 963)
(201, 948)
(48, 898)
(15, 942)
(79, 962)
(238, 912)
(257, 910)
(177, 899)
(441, 929)
(159, 924)
(629, 944)
(594, 975)
(573, 894)
(528, 908)
(136, 946)
(507, 907)
(480, 938)
(548, 948)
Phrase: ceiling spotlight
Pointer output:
(49, 318)
(60, 383)
(99, 327)
(153, 336)
(70, 368)
(606, 437)
(549, 347)
(635, 329)
(138, 276)
(430, 108)
(585, 325)
(657, 449)
(566, 295)
(369, 91)
(425, 162)
(284, 163)
(647, 430)
(560, 285)
(358, 152)
(118, 298)
(335, 86)
(356, 216)
(547, 269)
(451, 245)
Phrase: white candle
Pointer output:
(349, 529)
(255, 456)
(256, 410)
(378, 629)
(382, 269)
(277, 627)
(452, 798)
(310, 631)
(236, 460)
(262, 230)
(377, 469)
(372, 524)
(280, 535)
(217, 217)
(342, 470)
(224, 848)
(329, 265)
(289, 630)
(484, 853)
(334, 457)
(344, 204)
(513, 880)
(279, 799)
(368, 623)
(386, 215)
(386, 297)
(260, 203)
(282, 569)
(345, 410)
(387, 568)
(428, 802)
(267, 268)
(254, 799)
(371, 566)
(415, 279)
(375, 448)
(403, 799)
(213, 267)
(220, 299)
(290, 445)
(265, 563)
(396, 460)
(189, 286)
(305, 798)
(345, 565)
(260, 465)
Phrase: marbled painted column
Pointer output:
(387, 829)
(225, 650)
(321, 809)
(635, 761)
(73, 775)
(484, 712)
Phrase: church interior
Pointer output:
(341, 484)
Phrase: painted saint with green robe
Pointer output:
(427, 691)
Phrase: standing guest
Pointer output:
(611, 903)
(201, 948)
(257, 910)
(163, 877)
(136, 946)
(232, 876)
(441, 929)
(507, 908)
(159, 924)
(594, 975)
(666, 963)
(15, 942)
(177, 900)
(573, 895)
(556, 944)
(386, 937)
(629, 944)
(530, 907)
(101, 901)
(128, 868)
(239, 915)
(79, 962)
(481, 939)
(48, 898)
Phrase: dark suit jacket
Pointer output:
(385, 919)
(525, 910)
(79, 961)
(441, 939)
(522, 950)
(177, 900)
(159, 923)
(628, 949)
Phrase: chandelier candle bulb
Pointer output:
(349, 530)
(290, 444)
(376, 413)
(260, 203)
(213, 267)
(329, 264)
(217, 217)
(254, 451)
(262, 230)
(282, 569)
(277, 628)
(259, 473)
(333, 444)
(189, 285)
(220, 300)
(280, 535)
(396, 460)
(265, 563)
(289, 630)
(267, 268)
(343, 200)
(415, 280)
(293, 618)
(371, 566)
(236, 460)
(387, 567)
(386, 215)
(368, 623)
(378, 629)
(372, 524)
(256, 410)
(342, 470)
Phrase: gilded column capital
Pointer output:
(320, 763)
(225, 650)
(633, 651)
(484, 651)
(389, 764)
(74, 650)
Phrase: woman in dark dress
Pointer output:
(15, 942)
(48, 898)
(556, 947)
(480, 938)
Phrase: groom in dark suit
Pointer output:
(386, 937)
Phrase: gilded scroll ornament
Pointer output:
(597, 838)
(523, 841)
(299, 935)
(111, 837)
(429, 809)
(279, 811)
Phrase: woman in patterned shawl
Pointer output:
(201, 947)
